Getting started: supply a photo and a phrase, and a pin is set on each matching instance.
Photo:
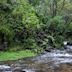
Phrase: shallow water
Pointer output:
(54, 61)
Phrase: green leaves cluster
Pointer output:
(36, 23)
(14, 17)
(29, 18)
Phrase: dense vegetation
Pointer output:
(35, 24)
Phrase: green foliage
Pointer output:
(70, 27)
(35, 24)
(3, 1)
(57, 24)
(16, 18)
(58, 41)
(29, 18)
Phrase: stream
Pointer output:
(54, 61)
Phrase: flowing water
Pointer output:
(54, 61)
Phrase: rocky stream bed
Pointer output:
(54, 61)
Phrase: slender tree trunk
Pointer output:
(53, 7)
(63, 5)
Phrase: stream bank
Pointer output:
(54, 61)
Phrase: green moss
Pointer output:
(15, 55)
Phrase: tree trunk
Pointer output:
(53, 8)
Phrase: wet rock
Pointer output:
(23, 71)
(68, 46)
(27, 70)
(17, 69)
(49, 49)
(4, 68)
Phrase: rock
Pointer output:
(49, 49)
(68, 46)
(25, 70)
(4, 68)
(17, 69)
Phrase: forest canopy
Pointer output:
(35, 24)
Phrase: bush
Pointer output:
(29, 19)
